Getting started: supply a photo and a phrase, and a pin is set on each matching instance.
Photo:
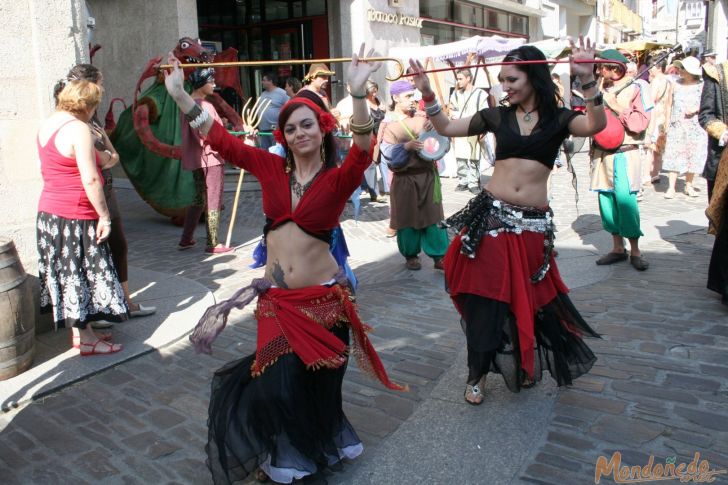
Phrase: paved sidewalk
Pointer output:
(179, 301)
(658, 387)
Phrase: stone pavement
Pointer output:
(659, 386)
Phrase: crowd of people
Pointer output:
(277, 413)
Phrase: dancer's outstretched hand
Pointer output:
(582, 52)
(174, 78)
(422, 82)
(358, 72)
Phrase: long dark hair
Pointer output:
(540, 78)
(332, 157)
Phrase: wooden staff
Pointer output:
(252, 117)
(438, 88)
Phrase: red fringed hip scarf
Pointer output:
(298, 321)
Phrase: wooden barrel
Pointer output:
(17, 314)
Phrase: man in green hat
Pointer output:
(616, 173)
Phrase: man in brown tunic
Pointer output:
(415, 195)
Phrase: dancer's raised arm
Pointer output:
(358, 73)
(444, 125)
(174, 81)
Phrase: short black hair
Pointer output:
(271, 76)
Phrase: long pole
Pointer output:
(677, 20)
(235, 208)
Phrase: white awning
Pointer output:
(458, 51)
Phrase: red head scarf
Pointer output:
(325, 119)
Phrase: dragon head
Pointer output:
(191, 51)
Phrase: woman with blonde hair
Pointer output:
(79, 283)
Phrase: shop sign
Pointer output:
(394, 18)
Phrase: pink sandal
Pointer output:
(109, 349)
(76, 340)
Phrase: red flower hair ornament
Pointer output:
(326, 120)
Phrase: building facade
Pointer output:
(717, 34)
(618, 21)
(54, 35)
(682, 21)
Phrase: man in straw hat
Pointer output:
(615, 174)
(317, 79)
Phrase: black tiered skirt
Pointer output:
(288, 421)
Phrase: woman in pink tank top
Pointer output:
(79, 283)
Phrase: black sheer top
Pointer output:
(541, 145)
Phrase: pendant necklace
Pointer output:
(300, 189)
(527, 114)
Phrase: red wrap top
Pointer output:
(318, 211)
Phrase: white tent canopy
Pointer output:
(458, 51)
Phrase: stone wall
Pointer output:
(351, 28)
(130, 33)
(43, 40)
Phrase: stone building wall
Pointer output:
(43, 39)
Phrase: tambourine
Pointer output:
(435, 146)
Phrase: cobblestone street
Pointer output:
(659, 387)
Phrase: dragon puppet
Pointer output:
(148, 134)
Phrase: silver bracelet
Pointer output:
(200, 120)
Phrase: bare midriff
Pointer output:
(296, 259)
(520, 181)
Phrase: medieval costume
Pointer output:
(415, 194)
(616, 174)
(501, 274)
(714, 118)
(280, 408)
(208, 170)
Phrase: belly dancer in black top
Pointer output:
(500, 270)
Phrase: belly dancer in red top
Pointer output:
(500, 269)
(278, 412)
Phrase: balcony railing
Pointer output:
(619, 13)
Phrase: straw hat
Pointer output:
(318, 69)
(690, 64)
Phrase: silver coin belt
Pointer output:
(486, 215)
